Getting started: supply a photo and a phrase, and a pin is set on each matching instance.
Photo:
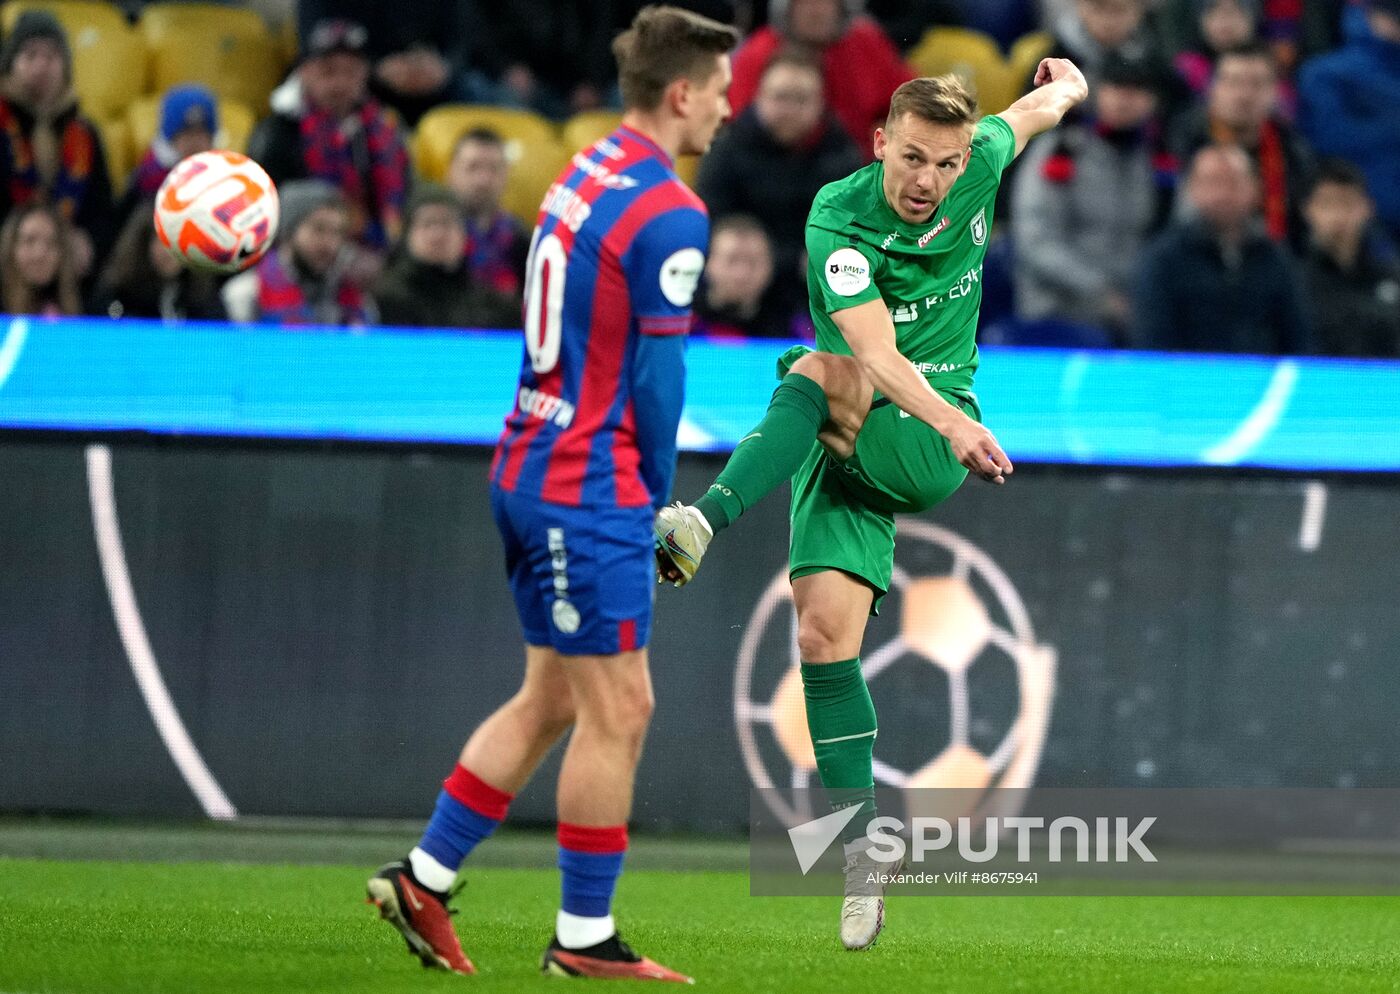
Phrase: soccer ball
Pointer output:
(217, 211)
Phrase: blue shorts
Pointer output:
(583, 578)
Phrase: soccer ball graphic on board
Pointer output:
(962, 688)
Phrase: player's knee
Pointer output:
(620, 709)
(552, 713)
(557, 716)
(635, 708)
(848, 392)
(629, 714)
(818, 638)
(831, 371)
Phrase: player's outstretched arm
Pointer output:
(870, 333)
(1059, 86)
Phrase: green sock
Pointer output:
(841, 720)
(769, 454)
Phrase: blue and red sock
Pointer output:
(468, 811)
(590, 861)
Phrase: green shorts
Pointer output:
(843, 512)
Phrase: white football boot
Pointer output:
(863, 908)
(682, 535)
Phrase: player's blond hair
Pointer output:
(665, 44)
(937, 99)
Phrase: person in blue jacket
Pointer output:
(1349, 102)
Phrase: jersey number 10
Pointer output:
(544, 301)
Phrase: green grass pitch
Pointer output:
(220, 913)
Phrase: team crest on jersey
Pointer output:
(847, 272)
(978, 227)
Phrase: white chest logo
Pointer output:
(680, 274)
(932, 233)
(978, 227)
(847, 272)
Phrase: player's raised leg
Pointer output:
(832, 608)
(822, 396)
(613, 698)
(498, 759)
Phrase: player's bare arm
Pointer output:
(1059, 87)
(870, 333)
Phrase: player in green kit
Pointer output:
(881, 420)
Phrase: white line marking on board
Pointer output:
(1314, 514)
(1262, 420)
(132, 629)
(13, 345)
(691, 436)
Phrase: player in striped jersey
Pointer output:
(585, 461)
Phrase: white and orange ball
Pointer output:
(217, 211)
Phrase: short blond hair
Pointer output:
(938, 99)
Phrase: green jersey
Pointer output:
(928, 275)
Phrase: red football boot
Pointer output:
(420, 916)
(612, 958)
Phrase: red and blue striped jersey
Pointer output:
(617, 252)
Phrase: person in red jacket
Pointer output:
(861, 66)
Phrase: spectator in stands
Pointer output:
(1241, 109)
(305, 279)
(1216, 282)
(1221, 25)
(1092, 30)
(324, 125)
(771, 161)
(1354, 295)
(861, 67)
(428, 284)
(48, 150)
(420, 50)
(1349, 103)
(497, 242)
(1087, 198)
(188, 123)
(143, 279)
(37, 272)
(1292, 29)
(735, 299)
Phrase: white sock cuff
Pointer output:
(430, 873)
(577, 932)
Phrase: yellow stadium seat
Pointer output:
(585, 128)
(532, 147)
(235, 125)
(687, 168)
(972, 55)
(116, 145)
(70, 13)
(1026, 53)
(109, 57)
(228, 49)
(288, 44)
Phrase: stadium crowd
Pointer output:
(1232, 184)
